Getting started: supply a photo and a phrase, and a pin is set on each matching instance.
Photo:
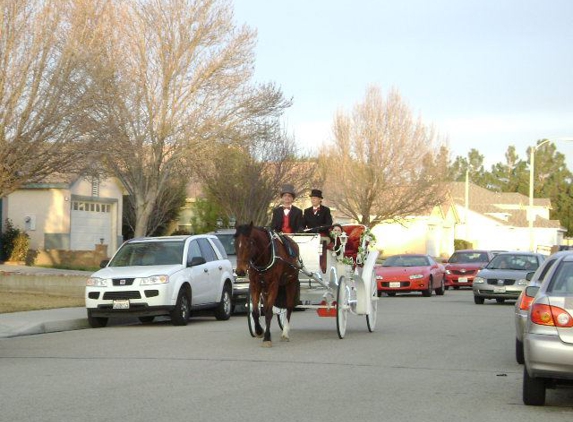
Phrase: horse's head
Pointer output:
(243, 247)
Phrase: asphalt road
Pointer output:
(430, 359)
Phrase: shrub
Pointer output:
(462, 244)
(15, 243)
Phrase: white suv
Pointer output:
(170, 275)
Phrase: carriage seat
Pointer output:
(354, 233)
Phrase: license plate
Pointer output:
(499, 289)
(462, 280)
(121, 304)
(394, 284)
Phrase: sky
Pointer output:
(486, 74)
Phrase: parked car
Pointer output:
(525, 298)
(463, 266)
(241, 284)
(410, 273)
(548, 341)
(171, 275)
(504, 276)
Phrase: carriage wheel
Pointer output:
(371, 318)
(342, 306)
(281, 316)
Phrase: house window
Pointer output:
(91, 206)
(95, 186)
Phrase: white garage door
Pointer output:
(91, 222)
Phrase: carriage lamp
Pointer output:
(343, 239)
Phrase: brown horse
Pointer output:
(273, 274)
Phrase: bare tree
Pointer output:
(244, 176)
(42, 92)
(173, 77)
(383, 163)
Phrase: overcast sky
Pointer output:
(487, 73)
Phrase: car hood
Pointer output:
(139, 271)
(502, 274)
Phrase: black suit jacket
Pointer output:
(296, 219)
(321, 218)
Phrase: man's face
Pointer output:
(287, 199)
(315, 200)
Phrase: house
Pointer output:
(489, 220)
(67, 212)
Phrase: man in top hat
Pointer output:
(318, 216)
(287, 218)
(318, 219)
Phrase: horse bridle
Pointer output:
(273, 254)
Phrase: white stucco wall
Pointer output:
(47, 210)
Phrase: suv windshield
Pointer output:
(148, 253)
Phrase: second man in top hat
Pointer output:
(317, 216)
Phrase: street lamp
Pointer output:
(530, 214)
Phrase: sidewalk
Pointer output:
(45, 321)
(40, 322)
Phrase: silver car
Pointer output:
(504, 276)
(548, 341)
(524, 300)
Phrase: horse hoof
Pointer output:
(267, 344)
(283, 338)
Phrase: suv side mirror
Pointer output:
(103, 263)
(529, 275)
(196, 260)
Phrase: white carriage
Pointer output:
(346, 284)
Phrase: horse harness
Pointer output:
(273, 236)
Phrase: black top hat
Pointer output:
(288, 189)
(316, 192)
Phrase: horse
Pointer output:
(273, 268)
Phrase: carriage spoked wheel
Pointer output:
(342, 306)
(371, 317)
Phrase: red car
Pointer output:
(463, 266)
(410, 273)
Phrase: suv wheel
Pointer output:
(479, 300)
(180, 315)
(96, 322)
(224, 309)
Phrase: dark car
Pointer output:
(463, 266)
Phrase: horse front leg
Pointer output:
(255, 310)
(268, 310)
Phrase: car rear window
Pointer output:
(562, 280)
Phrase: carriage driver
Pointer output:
(287, 218)
(318, 219)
